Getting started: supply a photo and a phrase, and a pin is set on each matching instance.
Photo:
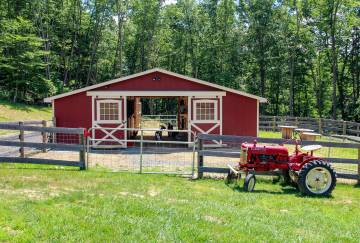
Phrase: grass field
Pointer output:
(20, 112)
(92, 206)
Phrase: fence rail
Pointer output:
(321, 125)
(225, 153)
(44, 139)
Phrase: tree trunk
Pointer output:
(334, 57)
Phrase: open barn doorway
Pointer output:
(165, 113)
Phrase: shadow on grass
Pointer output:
(285, 190)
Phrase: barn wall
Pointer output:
(73, 111)
(239, 115)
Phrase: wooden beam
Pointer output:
(200, 158)
(38, 161)
(213, 170)
(214, 153)
(249, 139)
(43, 129)
(342, 161)
(347, 176)
(55, 146)
(22, 139)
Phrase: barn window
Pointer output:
(108, 110)
(205, 110)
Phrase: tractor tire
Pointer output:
(287, 181)
(249, 183)
(316, 178)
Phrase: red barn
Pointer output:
(202, 106)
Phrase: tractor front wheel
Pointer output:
(287, 180)
(249, 183)
(231, 177)
(317, 178)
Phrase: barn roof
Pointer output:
(50, 99)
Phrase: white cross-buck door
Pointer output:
(206, 115)
(109, 122)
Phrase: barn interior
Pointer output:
(164, 113)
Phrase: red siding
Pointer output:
(73, 111)
(239, 115)
(166, 83)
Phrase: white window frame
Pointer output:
(215, 102)
(98, 120)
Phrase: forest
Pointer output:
(302, 55)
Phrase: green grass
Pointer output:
(21, 112)
(92, 206)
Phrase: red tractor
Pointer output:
(311, 174)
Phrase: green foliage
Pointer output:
(303, 56)
(21, 65)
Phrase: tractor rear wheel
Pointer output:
(249, 183)
(317, 178)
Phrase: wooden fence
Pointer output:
(320, 125)
(204, 151)
(44, 145)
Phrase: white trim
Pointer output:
(120, 110)
(221, 115)
(108, 134)
(217, 124)
(125, 119)
(53, 112)
(189, 117)
(49, 99)
(159, 93)
(257, 119)
(215, 111)
(93, 116)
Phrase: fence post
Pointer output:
(141, 149)
(200, 157)
(22, 139)
(357, 130)
(82, 152)
(358, 181)
(44, 134)
(274, 123)
(344, 127)
(296, 121)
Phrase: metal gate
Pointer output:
(150, 151)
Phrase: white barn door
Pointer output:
(206, 115)
(109, 122)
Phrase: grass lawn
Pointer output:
(94, 206)
(21, 112)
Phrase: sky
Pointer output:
(169, 2)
